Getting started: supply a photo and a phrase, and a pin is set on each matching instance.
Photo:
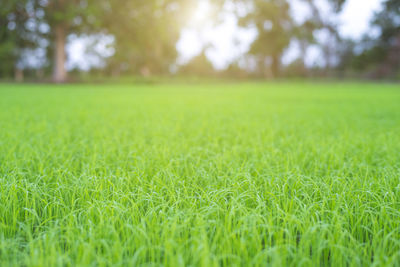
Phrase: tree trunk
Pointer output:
(59, 72)
(303, 49)
(19, 75)
(265, 71)
(275, 65)
(327, 50)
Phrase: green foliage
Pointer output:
(199, 65)
(388, 21)
(209, 175)
(78, 16)
(274, 25)
(146, 33)
(381, 56)
(369, 59)
(14, 35)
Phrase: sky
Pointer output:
(226, 42)
(356, 16)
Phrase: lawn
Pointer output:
(250, 174)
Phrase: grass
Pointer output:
(279, 174)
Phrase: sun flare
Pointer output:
(202, 13)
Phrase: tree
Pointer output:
(388, 21)
(380, 56)
(15, 36)
(329, 25)
(146, 33)
(65, 17)
(274, 25)
(198, 66)
(304, 34)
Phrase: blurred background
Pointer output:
(98, 40)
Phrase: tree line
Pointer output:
(146, 32)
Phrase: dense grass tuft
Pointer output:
(207, 175)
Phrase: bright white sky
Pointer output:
(228, 42)
(356, 16)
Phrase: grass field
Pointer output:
(256, 174)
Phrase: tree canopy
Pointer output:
(145, 35)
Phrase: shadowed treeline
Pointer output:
(144, 34)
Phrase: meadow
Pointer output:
(248, 174)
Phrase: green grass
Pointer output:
(278, 174)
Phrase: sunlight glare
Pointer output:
(202, 13)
